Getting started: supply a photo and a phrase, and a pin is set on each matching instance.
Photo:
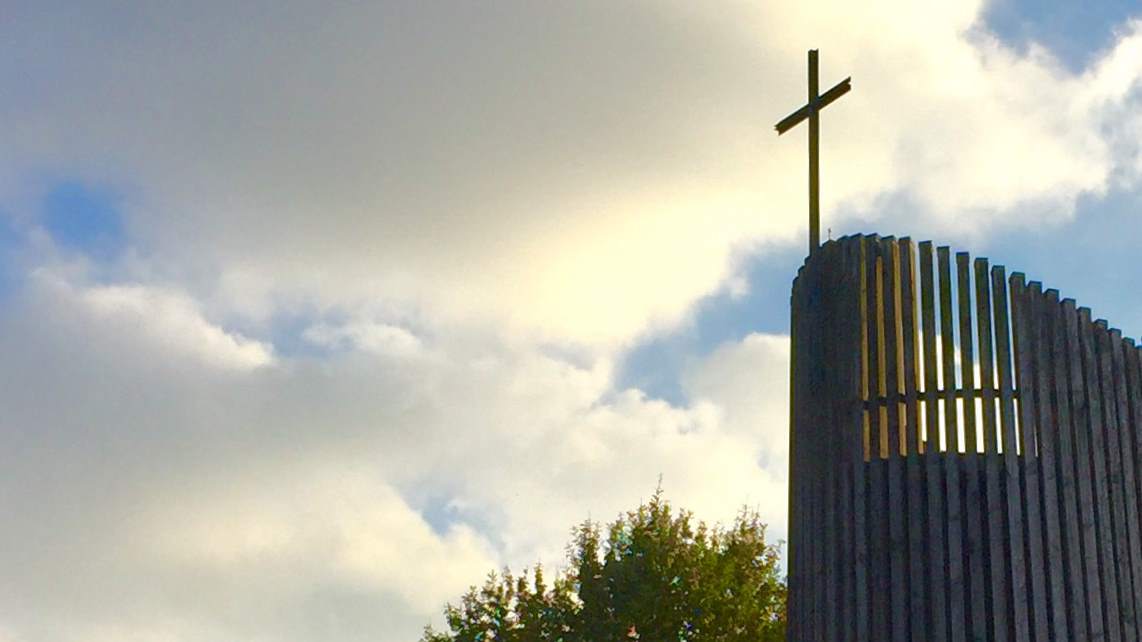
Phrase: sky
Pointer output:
(312, 314)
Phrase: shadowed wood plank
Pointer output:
(957, 612)
(794, 545)
(1133, 543)
(796, 615)
(833, 432)
(849, 391)
(819, 472)
(933, 457)
(865, 577)
(917, 511)
(1025, 346)
(994, 533)
(879, 547)
(897, 494)
(1048, 440)
(974, 501)
(1113, 456)
(1101, 483)
(1076, 605)
(1017, 570)
(1084, 474)
(1131, 391)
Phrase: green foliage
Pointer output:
(656, 578)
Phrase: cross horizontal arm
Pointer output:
(840, 89)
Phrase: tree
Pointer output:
(656, 578)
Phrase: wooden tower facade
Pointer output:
(965, 454)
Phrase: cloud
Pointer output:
(577, 173)
(749, 381)
(163, 495)
(172, 320)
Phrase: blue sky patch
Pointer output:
(287, 333)
(1092, 259)
(655, 365)
(1074, 31)
(84, 218)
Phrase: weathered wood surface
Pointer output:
(1023, 300)
(957, 607)
(974, 502)
(1096, 628)
(994, 526)
(935, 516)
(913, 435)
(965, 453)
(1048, 474)
(1098, 454)
(897, 510)
(1013, 490)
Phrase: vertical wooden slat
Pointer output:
(824, 442)
(958, 624)
(802, 431)
(1113, 459)
(917, 546)
(1014, 548)
(863, 500)
(1084, 473)
(996, 565)
(870, 250)
(1076, 604)
(897, 511)
(1048, 440)
(974, 502)
(911, 346)
(833, 428)
(849, 394)
(809, 440)
(878, 472)
(1101, 483)
(1022, 298)
(1130, 395)
(820, 450)
(967, 355)
(1129, 581)
(934, 458)
(794, 616)
(807, 436)
(986, 357)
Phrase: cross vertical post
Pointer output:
(811, 112)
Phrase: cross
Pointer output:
(812, 110)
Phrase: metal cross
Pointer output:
(812, 110)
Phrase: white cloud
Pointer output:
(343, 525)
(169, 320)
(341, 498)
(749, 381)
